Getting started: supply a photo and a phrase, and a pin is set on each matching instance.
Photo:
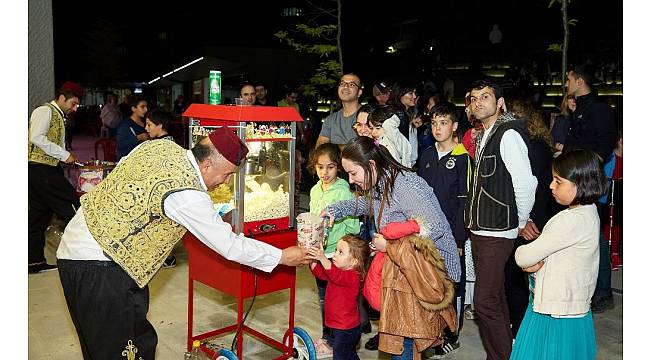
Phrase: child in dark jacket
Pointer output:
(447, 168)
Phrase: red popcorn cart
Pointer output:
(260, 199)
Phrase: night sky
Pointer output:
(135, 41)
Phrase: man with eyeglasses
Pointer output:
(48, 191)
(337, 127)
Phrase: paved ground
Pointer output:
(52, 335)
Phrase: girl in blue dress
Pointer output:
(563, 263)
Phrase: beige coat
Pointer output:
(569, 247)
(416, 296)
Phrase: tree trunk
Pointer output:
(338, 35)
(565, 46)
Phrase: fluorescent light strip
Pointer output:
(175, 70)
(188, 64)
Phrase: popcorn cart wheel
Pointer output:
(303, 346)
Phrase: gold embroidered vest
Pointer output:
(124, 213)
(54, 134)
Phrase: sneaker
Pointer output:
(441, 351)
(470, 314)
(40, 267)
(372, 343)
(323, 351)
(602, 304)
(170, 262)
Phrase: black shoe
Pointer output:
(373, 343)
(602, 304)
(170, 262)
(40, 267)
(441, 351)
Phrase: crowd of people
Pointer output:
(437, 214)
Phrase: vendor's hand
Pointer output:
(460, 251)
(227, 217)
(534, 268)
(71, 159)
(294, 256)
(143, 136)
(530, 231)
(379, 242)
(326, 214)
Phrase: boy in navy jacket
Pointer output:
(447, 168)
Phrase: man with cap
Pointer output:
(128, 225)
(49, 192)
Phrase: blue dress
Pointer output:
(543, 337)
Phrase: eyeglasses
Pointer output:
(345, 84)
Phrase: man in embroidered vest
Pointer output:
(49, 192)
(127, 226)
(500, 200)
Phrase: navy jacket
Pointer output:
(450, 178)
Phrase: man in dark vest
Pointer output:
(592, 127)
(128, 225)
(49, 192)
(498, 206)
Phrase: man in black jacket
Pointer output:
(592, 127)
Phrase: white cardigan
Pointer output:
(569, 247)
(396, 143)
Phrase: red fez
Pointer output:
(75, 88)
(229, 145)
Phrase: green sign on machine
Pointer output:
(215, 87)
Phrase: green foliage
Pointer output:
(321, 41)
(555, 47)
(573, 22)
(325, 79)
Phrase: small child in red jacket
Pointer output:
(344, 274)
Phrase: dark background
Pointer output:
(135, 41)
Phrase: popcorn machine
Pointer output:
(262, 191)
(260, 196)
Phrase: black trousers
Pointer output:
(517, 291)
(108, 309)
(345, 343)
(48, 192)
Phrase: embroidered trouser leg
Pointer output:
(490, 256)
(48, 192)
(108, 309)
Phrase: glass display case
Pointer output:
(260, 194)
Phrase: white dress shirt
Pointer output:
(515, 157)
(39, 126)
(195, 211)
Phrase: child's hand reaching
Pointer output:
(317, 253)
